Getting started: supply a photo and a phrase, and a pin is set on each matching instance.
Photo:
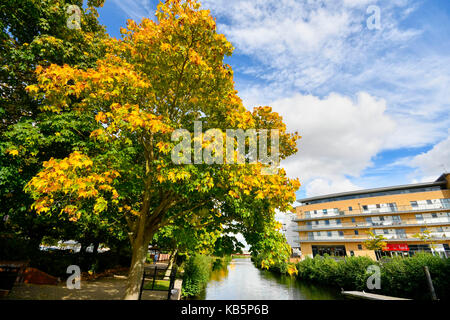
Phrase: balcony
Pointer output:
(377, 224)
(438, 236)
(371, 212)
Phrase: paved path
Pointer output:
(101, 289)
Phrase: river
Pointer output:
(241, 280)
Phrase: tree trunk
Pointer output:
(139, 255)
(96, 245)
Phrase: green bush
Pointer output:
(197, 270)
(405, 277)
(401, 277)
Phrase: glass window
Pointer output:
(350, 209)
(317, 223)
(378, 206)
(434, 215)
(353, 220)
(369, 220)
(439, 229)
(356, 232)
(359, 247)
(419, 217)
(365, 207)
(381, 218)
(318, 233)
(414, 204)
(329, 233)
(338, 221)
(341, 233)
(429, 202)
(385, 231)
(327, 222)
(325, 211)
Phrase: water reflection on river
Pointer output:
(241, 280)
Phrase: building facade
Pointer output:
(411, 218)
(289, 229)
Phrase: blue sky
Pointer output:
(372, 105)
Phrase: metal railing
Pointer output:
(371, 211)
(363, 237)
(154, 274)
(376, 224)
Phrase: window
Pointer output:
(423, 229)
(381, 218)
(365, 208)
(353, 220)
(325, 211)
(318, 233)
(419, 217)
(359, 247)
(315, 211)
(414, 204)
(439, 229)
(329, 233)
(434, 215)
(338, 221)
(317, 223)
(327, 222)
(378, 206)
(341, 233)
(356, 232)
(429, 202)
(385, 231)
(369, 220)
(350, 209)
(352, 253)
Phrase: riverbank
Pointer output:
(399, 277)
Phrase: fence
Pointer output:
(158, 279)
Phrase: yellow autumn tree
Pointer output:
(160, 77)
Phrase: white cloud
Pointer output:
(322, 186)
(340, 136)
(431, 164)
(305, 43)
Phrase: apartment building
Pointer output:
(338, 224)
(289, 229)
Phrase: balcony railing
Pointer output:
(382, 210)
(377, 224)
(364, 237)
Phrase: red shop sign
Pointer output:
(396, 247)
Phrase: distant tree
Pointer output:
(375, 242)
(427, 237)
